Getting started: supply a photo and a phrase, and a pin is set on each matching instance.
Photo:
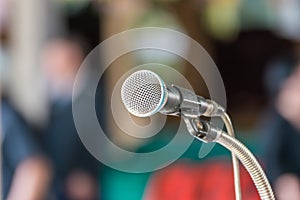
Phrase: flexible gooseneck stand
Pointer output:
(203, 131)
(235, 162)
(177, 101)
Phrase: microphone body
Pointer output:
(179, 99)
(144, 93)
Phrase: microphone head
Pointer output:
(144, 93)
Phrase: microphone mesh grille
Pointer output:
(143, 93)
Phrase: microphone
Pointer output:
(144, 93)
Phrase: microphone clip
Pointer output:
(198, 128)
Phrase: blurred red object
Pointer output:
(212, 180)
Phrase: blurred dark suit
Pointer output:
(18, 143)
(62, 144)
(282, 148)
(282, 139)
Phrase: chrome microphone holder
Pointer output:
(205, 132)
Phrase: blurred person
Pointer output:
(26, 173)
(75, 170)
(283, 135)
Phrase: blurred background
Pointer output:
(254, 43)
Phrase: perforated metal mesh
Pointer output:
(143, 93)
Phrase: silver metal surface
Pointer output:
(143, 93)
(250, 163)
(235, 162)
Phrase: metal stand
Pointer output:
(235, 162)
(205, 132)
